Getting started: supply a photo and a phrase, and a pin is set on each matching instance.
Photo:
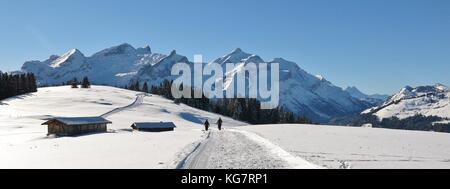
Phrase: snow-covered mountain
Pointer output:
(113, 66)
(300, 92)
(374, 99)
(156, 73)
(424, 100)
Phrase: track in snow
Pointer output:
(230, 150)
(138, 101)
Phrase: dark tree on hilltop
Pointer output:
(130, 87)
(74, 83)
(85, 83)
(145, 88)
(135, 87)
(16, 84)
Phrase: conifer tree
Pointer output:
(137, 86)
(74, 83)
(145, 88)
(16, 84)
(85, 83)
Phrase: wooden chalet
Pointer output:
(70, 126)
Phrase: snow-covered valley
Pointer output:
(360, 148)
(24, 142)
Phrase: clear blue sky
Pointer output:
(377, 45)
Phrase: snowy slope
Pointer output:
(360, 148)
(424, 100)
(23, 141)
(237, 149)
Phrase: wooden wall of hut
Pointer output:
(62, 129)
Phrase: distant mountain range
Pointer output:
(409, 101)
(374, 99)
(114, 66)
(300, 92)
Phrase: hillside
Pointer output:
(409, 101)
(24, 144)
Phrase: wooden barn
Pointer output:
(154, 126)
(70, 126)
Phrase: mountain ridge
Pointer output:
(373, 98)
(300, 92)
(428, 100)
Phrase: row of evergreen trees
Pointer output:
(417, 122)
(16, 84)
(244, 109)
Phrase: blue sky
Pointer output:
(377, 45)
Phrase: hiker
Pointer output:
(219, 123)
(206, 125)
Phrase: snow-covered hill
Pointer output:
(301, 92)
(24, 144)
(114, 66)
(424, 100)
(23, 141)
(360, 148)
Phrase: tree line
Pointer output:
(16, 84)
(418, 122)
(243, 109)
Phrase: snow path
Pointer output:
(231, 149)
(293, 161)
(138, 101)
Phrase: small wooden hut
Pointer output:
(154, 126)
(69, 126)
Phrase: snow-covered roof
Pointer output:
(154, 125)
(79, 120)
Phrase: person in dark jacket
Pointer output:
(219, 123)
(206, 125)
